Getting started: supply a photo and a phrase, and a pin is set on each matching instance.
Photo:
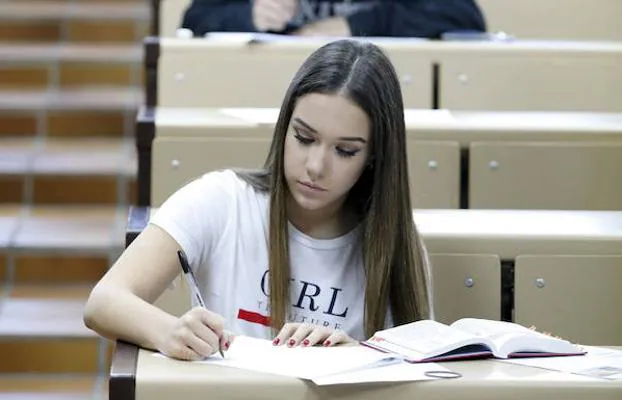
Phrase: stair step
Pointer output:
(46, 332)
(67, 170)
(51, 21)
(58, 245)
(71, 10)
(57, 318)
(70, 230)
(42, 65)
(83, 98)
(52, 387)
(88, 111)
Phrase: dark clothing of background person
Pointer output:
(394, 18)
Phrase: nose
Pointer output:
(316, 162)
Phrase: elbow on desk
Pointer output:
(94, 309)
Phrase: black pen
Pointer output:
(194, 287)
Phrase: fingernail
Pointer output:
(306, 342)
(276, 341)
(327, 343)
(291, 342)
(226, 345)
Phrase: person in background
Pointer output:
(393, 18)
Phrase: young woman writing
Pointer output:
(317, 248)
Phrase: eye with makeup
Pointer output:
(342, 152)
(347, 153)
(301, 138)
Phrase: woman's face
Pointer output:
(327, 147)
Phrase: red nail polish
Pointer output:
(327, 343)
(306, 342)
(276, 341)
(226, 345)
(291, 342)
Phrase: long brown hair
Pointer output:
(394, 257)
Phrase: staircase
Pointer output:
(70, 86)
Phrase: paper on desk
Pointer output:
(599, 362)
(260, 37)
(416, 116)
(267, 116)
(394, 372)
(324, 366)
(300, 362)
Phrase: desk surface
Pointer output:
(461, 126)
(267, 43)
(520, 120)
(510, 233)
(507, 233)
(160, 378)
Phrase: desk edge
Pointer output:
(137, 220)
(122, 381)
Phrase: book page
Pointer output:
(510, 337)
(424, 339)
(300, 362)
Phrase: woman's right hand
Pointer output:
(197, 334)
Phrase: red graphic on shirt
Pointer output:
(253, 317)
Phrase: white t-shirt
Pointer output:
(221, 223)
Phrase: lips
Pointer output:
(312, 186)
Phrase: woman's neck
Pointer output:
(328, 223)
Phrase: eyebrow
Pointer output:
(344, 138)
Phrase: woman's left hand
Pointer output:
(295, 334)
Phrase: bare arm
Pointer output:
(119, 306)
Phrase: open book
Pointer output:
(428, 340)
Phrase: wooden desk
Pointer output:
(554, 19)
(203, 72)
(522, 75)
(459, 159)
(138, 375)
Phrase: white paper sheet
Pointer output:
(599, 362)
(259, 37)
(400, 372)
(301, 362)
(266, 116)
(324, 366)
(417, 116)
